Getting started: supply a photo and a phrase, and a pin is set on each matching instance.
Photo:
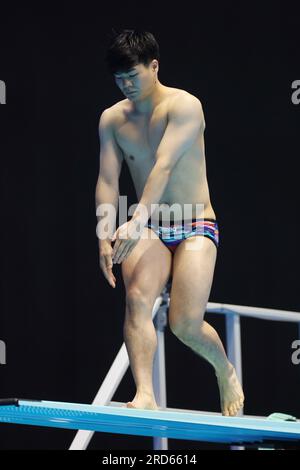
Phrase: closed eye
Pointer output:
(130, 76)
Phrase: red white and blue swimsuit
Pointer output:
(173, 233)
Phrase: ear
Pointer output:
(155, 65)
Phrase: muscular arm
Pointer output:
(107, 188)
(185, 120)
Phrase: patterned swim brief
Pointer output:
(175, 232)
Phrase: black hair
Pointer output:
(130, 47)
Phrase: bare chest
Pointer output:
(139, 138)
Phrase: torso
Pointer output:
(139, 136)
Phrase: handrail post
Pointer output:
(159, 367)
(234, 351)
(233, 342)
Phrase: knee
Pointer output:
(136, 300)
(185, 326)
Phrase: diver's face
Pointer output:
(136, 82)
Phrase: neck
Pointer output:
(146, 104)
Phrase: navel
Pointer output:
(131, 157)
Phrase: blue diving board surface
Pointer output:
(140, 422)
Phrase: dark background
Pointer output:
(61, 321)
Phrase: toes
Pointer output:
(236, 407)
(232, 409)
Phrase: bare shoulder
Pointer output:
(186, 107)
(120, 111)
(118, 107)
(175, 100)
(183, 99)
(110, 117)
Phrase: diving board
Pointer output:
(140, 422)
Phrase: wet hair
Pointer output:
(130, 47)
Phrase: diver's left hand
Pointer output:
(126, 237)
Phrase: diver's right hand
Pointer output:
(106, 264)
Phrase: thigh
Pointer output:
(148, 267)
(193, 270)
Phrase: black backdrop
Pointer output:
(61, 321)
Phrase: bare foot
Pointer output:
(231, 393)
(143, 400)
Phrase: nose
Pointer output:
(125, 85)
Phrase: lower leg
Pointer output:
(141, 343)
(205, 341)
